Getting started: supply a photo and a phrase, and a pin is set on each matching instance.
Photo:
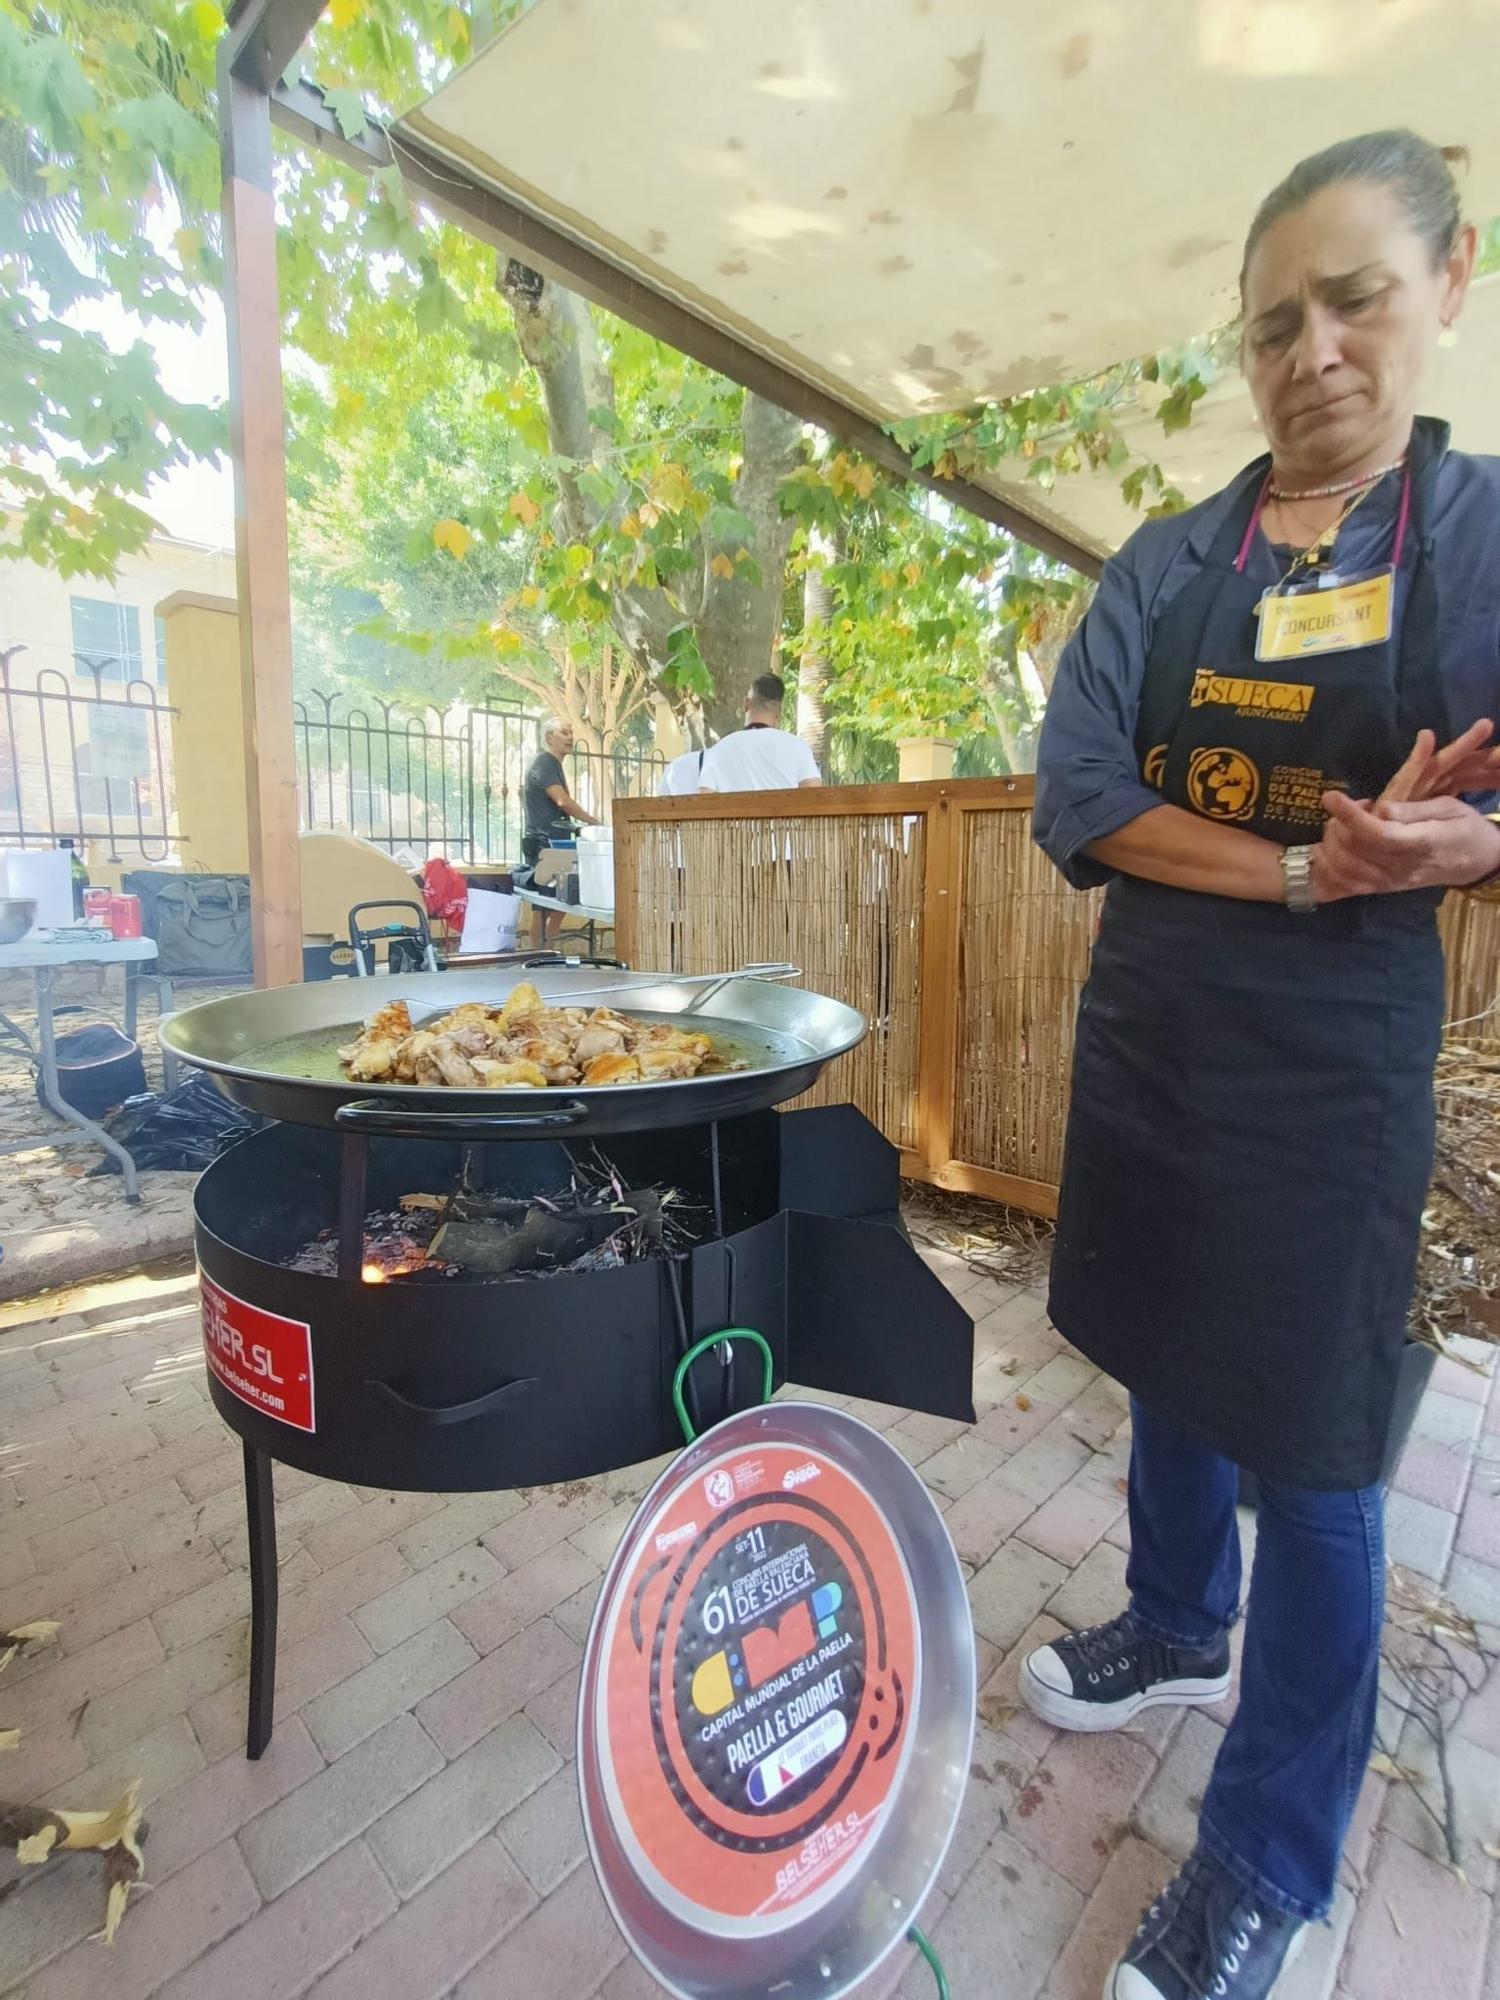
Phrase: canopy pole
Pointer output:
(253, 318)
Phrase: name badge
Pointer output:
(1334, 616)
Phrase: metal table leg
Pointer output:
(132, 998)
(260, 1518)
(51, 1084)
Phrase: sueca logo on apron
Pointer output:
(258, 1356)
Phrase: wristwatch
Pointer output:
(1296, 874)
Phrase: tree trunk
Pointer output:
(812, 672)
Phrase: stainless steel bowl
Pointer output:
(17, 915)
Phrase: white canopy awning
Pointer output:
(919, 205)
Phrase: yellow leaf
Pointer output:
(188, 243)
(531, 597)
(670, 486)
(649, 515)
(524, 508)
(630, 527)
(913, 574)
(206, 20)
(452, 536)
(344, 13)
(722, 566)
(862, 479)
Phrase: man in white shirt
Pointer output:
(680, 779)
(761, 757)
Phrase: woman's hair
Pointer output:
(1418, 173)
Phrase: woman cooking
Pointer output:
(1270, 738)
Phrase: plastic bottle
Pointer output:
(79, 873)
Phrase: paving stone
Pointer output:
(221, 1798)
(377, 1520)
(503, 1681)
(157, 1763)
(1418, 1535)
(1475, 1777)
(1067, 1375)
(1094, 1592)
(340, 1591)
(1448, 1419)
(1004, 1929)
(164, 1932)
(292, 1837)
(220, 1602)
(51, 1593)
(1435, 1472)
(420, 1600)
(1047, 1462)
(461, 1803)
(987, 1515)
(1133, 1876)
(1167, 1815)
(1474, 1587)
(1418, 1930)
(59, 1686)
(564, 1948)
(390, 1685)
(1456, 1378)
(555, 1713)
(1016, 1422)
(997, 1771)
(1068, 1525)
(518, 1600)
(1316, 1971)
(545, 1833)
(294, 1939)
(549, 1519)
(163, 1505)
(1479, 1532)
(957, 1468)
(1075, 1811)
(1479, 1719)
(437, 1936)
(167, 1689)
(1010, 1590)
(461, 1524)
(303, 1670)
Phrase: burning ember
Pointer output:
(595, 1223)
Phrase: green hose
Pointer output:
(701, 1347)
(916, 1937)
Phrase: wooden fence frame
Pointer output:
(942, 807)
(1471, 931)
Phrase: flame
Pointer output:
(372, 1274)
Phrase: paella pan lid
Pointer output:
(776, 1713)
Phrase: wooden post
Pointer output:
(253, 317)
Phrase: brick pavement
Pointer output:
(413, 1830)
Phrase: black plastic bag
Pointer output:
(183, 1131)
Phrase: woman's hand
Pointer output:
(1466, 765)
(1396, 844)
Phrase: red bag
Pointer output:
(445, 892)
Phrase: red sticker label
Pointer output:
(759, 1672)
(260, 1357)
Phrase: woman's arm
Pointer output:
(1170, 845)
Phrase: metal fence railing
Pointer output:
(80, 764)
(440, 781)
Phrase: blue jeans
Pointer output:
(1288, 1775)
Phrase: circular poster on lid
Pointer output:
(777, 1708)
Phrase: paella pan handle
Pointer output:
(384, 1121)
(430, 1415)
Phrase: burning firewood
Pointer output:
(37, 1833)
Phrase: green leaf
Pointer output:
(348, 111)
(686, 668)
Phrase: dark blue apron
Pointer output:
(1250, 1138)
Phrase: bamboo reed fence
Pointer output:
(928, 908)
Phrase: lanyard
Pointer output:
(1402, 516)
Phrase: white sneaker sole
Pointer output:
(1066, 1711)
(1112, 1990)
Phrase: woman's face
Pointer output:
(1342, 306)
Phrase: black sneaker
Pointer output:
(1101, 1677)
(1206, 1938)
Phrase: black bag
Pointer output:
(183, 1131)
(98, 1067)
(202, 927)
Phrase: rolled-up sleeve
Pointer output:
(1088, 781)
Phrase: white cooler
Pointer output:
(596, 867)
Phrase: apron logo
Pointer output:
(1270, 701)
(1222, 784)
(1155, 764)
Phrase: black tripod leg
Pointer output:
(260, 1517)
